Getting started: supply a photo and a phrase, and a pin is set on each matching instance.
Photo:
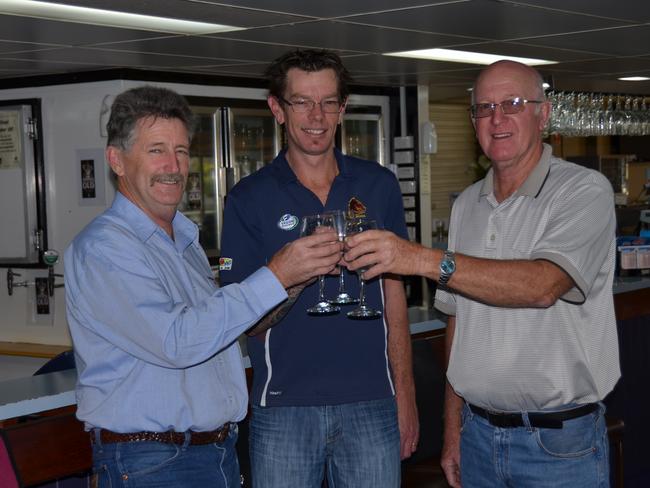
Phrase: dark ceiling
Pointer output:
(594, 41)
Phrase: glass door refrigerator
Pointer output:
(236, 137)
(232, 140)
(362, 136)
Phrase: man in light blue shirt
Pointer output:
(161, 382)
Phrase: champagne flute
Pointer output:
(340, 221)
(309, 226)
(363, 311)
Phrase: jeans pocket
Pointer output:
(576, 438)
(143, 458)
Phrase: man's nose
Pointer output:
(172, 162)
(497, 115)
(317, 111)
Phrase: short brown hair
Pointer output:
(307, 60)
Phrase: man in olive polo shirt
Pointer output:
(527, 284)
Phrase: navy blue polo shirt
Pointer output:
(306, 360)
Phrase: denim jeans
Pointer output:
(155, 464)
(354, 445)
(574, 456)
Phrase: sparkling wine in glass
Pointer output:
(342, 297)
(308, 226)
(363, 311)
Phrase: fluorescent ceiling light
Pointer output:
(634, 78)
(108, 18)
(465, 57)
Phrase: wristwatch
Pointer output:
(447, 267)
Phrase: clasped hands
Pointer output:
(302, 260)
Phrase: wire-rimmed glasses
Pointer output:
(303, 105)
(308, 226)
(508, 107)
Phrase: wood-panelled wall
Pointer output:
(451, 169)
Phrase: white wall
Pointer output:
(70, 118)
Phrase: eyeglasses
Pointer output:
(509, 107)
(303, 105)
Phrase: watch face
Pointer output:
(447, 266)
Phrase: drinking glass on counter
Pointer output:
(363, 311)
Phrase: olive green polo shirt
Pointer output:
(516, 359)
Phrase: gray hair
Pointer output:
(145, 101)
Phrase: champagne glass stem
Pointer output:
(321, 288)
(341, 281)
(362, 292)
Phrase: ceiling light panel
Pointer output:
(108, 18)
(466, 57)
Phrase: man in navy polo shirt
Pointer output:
(332, 397)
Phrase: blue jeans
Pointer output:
(354, 445)
(574, 456)
(155, 464)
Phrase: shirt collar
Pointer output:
(532, 185)
(185, 231)
(286, 175)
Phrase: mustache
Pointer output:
(168, 178)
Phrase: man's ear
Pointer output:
(276, 108)
(545, 114)
(114, 158)
(342, 112)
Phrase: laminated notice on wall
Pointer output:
(88, 178)
(10, 137)
(91, 177)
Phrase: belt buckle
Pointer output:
(504, 420)
(223, 432)
(545, 423)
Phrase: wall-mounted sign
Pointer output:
(10, 137)
(88, 178)
(91, 176)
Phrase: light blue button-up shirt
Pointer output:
(154, 336)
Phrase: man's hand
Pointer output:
(382, 250)
(450, 458)
(409, 425)
(306, 258)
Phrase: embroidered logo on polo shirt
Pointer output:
(225, 264)
(356, 208)
(288, 222)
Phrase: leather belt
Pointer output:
(548, 420)
(196, 438)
